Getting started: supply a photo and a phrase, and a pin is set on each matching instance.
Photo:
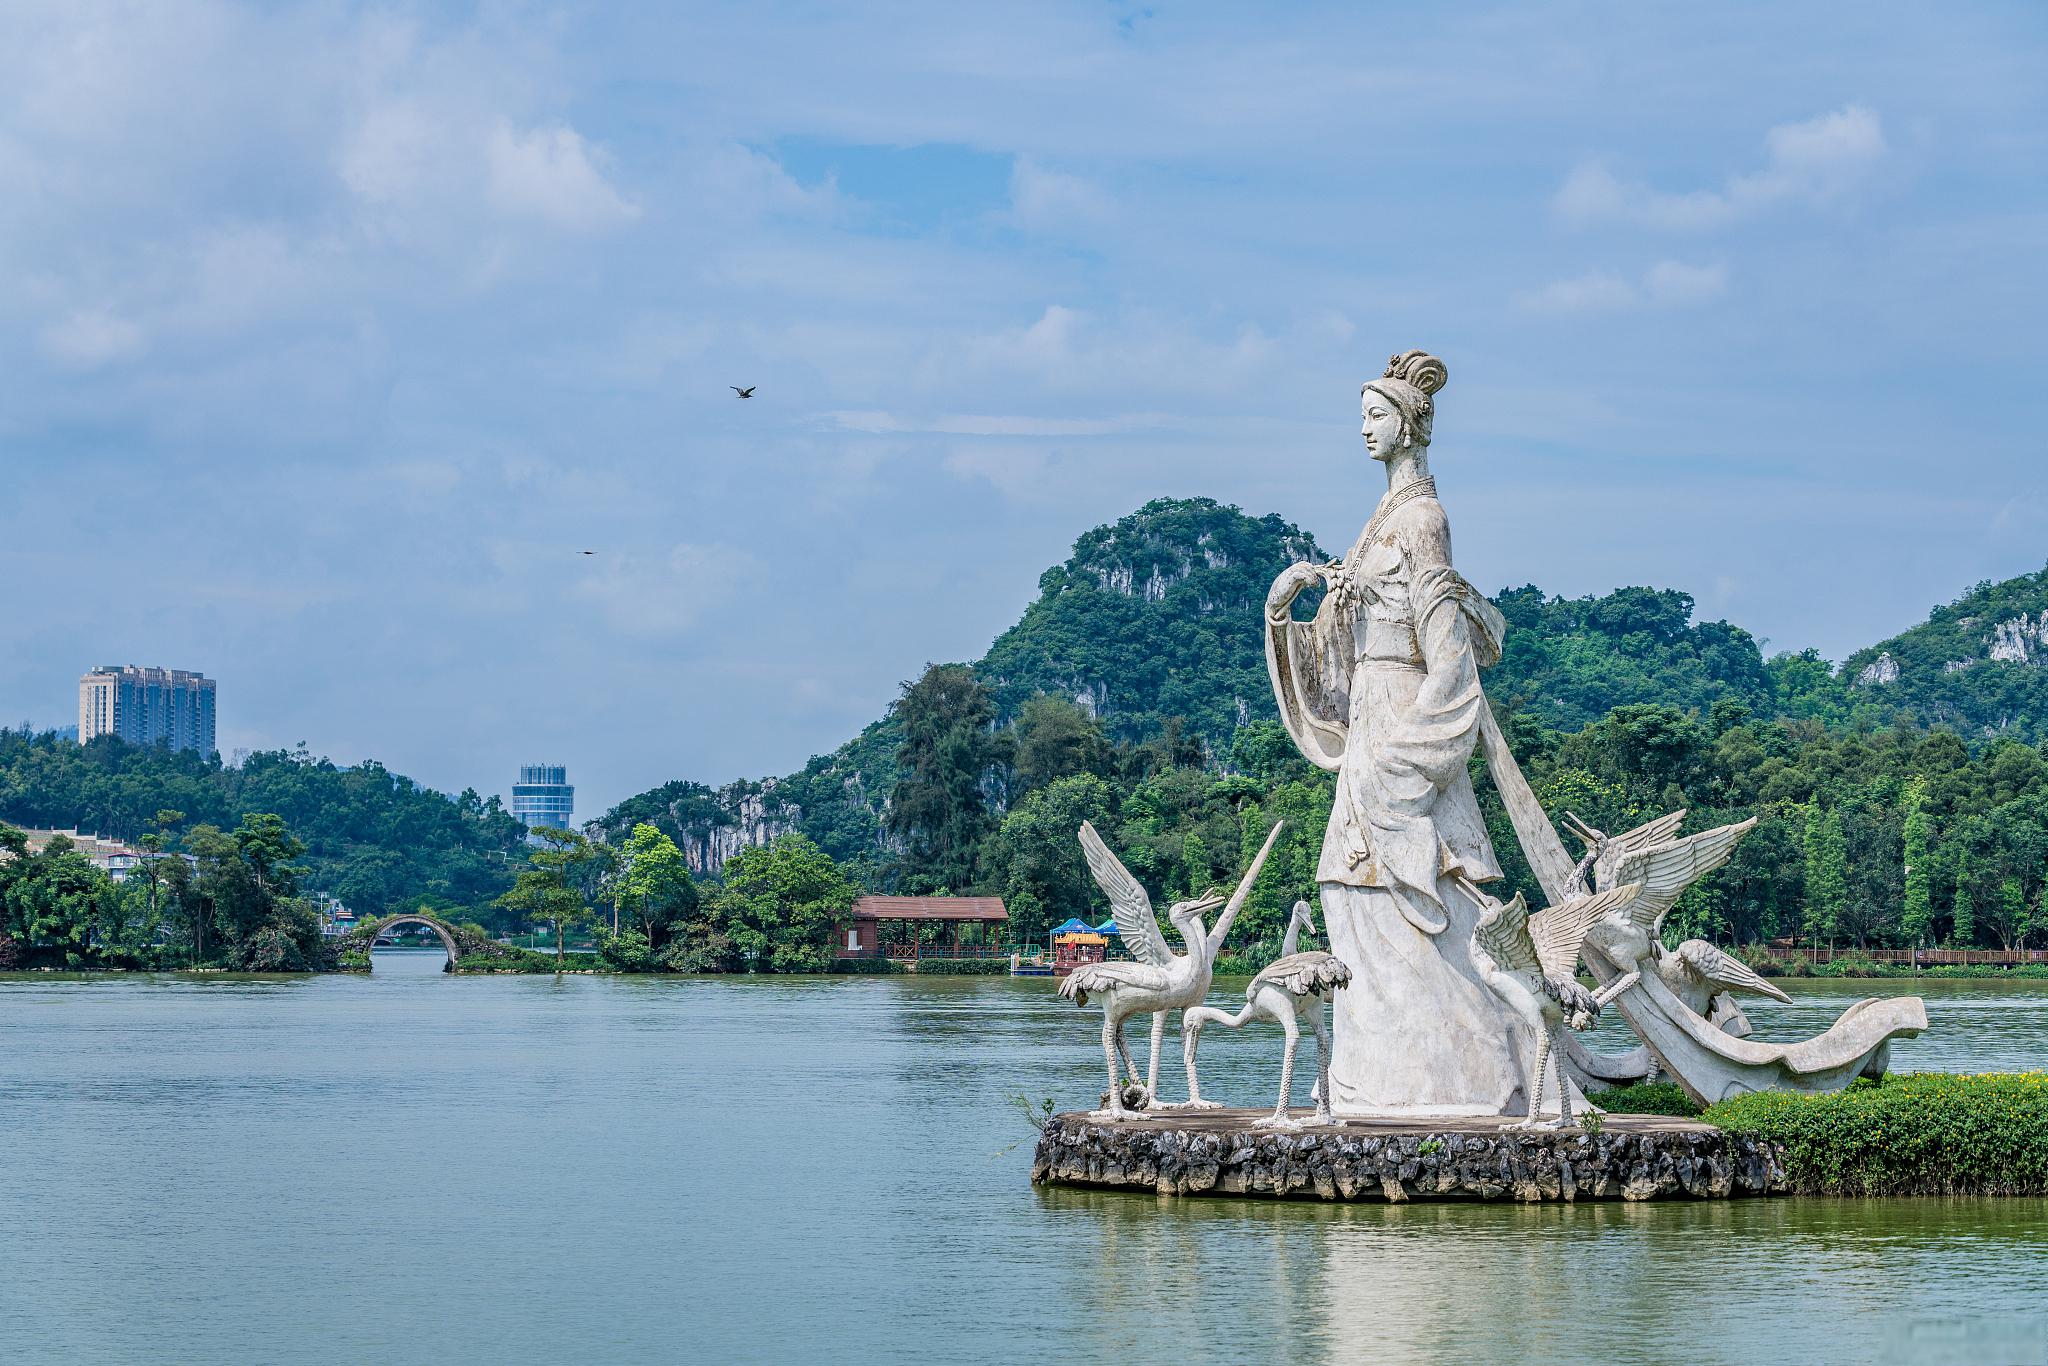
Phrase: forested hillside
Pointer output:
(1156, 618)
(376, 840)
(1978, 665)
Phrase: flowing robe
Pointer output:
(1382, 688)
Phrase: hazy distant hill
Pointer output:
(1158, 615)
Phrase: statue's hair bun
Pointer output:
(1420, 369)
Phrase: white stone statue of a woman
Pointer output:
(1382, 688)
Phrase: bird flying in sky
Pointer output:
(747, 392)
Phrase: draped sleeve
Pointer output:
(1310, 664)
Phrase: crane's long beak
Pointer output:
(1251, 875)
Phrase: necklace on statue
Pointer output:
(1396, 499)
(1344, 580)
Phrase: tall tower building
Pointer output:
(543, 796)
(147, 707)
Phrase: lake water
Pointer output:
(413, 1167)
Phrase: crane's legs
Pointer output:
(1532, 1077)
(1323, 1114)
(1152, 1072)
(1279, 1119)
(1564, 1092)
(1191, 1021)
(1112, 1044)
(1123, 1050)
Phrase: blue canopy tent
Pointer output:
(1107, 927)
(1074, 926)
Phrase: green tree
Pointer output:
(655, 884)
(1827, 874)
(1963, 920)
(1056, 739)
(1035, 858)
(940, 809)
(781, 903)
(1918, 917)
(49, 899)
(247, 881)
(153, 845)
(2010, 913)
(550, 889)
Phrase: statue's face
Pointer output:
(1380, 426)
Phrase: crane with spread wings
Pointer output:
(1531, 963)
(1156, 979)
(1699, 974)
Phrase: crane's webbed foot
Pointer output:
(1279, 1119)
(1537, 1122)
(1200, 1103)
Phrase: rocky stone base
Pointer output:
(1218, 1152)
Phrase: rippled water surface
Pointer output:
(411, 1167)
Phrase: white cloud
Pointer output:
(1821, 161)
(549, 173)
(1042, 199)
(1667, 284)
(1674, 284)
(91, 338)
(1068, 350)
(441, 159)
(1594, 292)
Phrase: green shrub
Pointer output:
(1647, 1098)
(625, 951)
(1851, 964)
(517, 960)
(1928, 1133)
(963, 967)
(865, 967)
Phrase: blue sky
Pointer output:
(333, 333)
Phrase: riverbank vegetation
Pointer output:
(206, 897)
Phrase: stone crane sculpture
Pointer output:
(1702, 976)
(1289, 987)
(1157, 979)
(1708, 979)
(1665, 989)
(1698, 974)
(1531, 962)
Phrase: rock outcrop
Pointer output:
(1632, 1157)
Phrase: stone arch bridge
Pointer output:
(459, 942)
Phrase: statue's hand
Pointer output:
(1288, 586)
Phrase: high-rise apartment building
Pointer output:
(543, 796)
(147, 707)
